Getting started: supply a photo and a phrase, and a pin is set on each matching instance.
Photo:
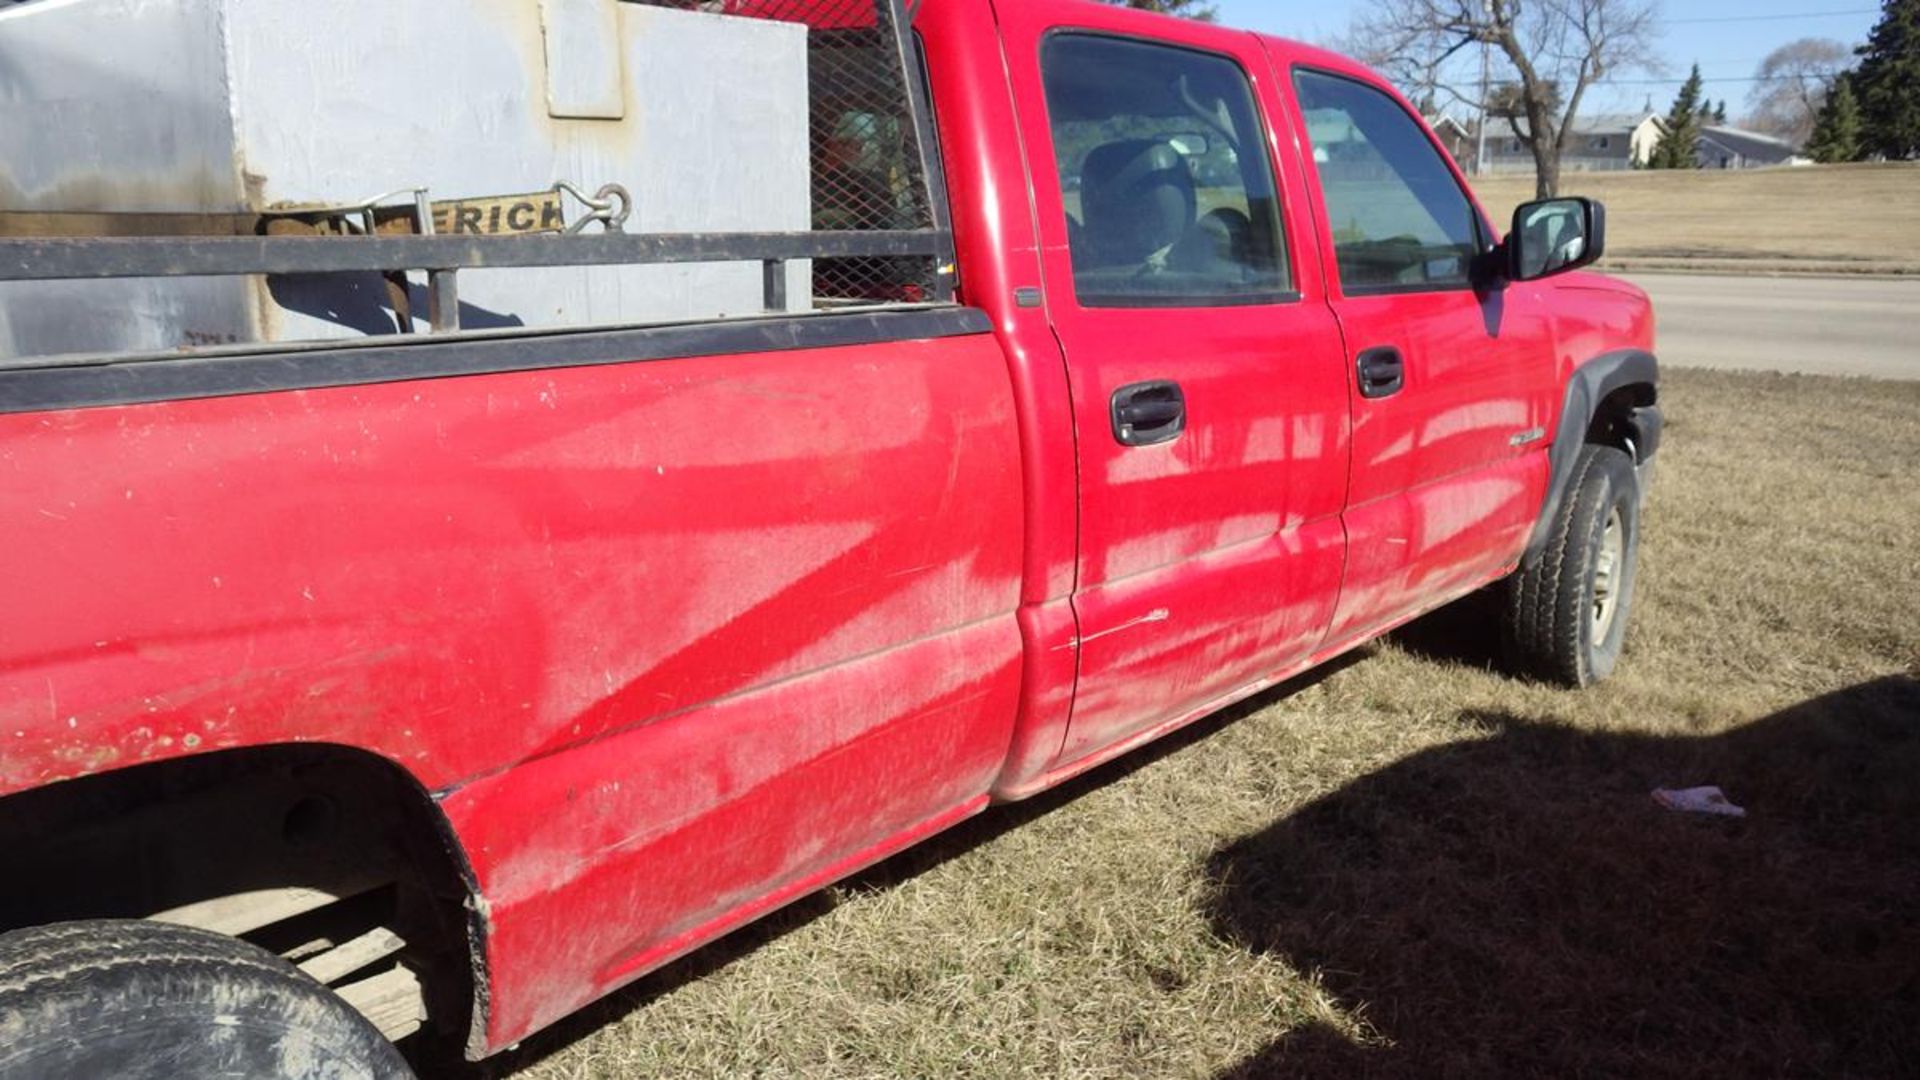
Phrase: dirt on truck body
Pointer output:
(447, 670)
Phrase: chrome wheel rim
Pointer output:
(1606, 575)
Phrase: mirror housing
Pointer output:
(1553, 236)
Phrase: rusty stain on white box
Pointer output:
(241, 105)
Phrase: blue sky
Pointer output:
(1728, 38)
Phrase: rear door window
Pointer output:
(1169, 192)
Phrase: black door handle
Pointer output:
(1145, 413)
(1382, 372)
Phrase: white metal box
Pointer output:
(234, 106)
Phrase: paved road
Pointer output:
(1828, 326)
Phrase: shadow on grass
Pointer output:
(1518, 905)
(888, 873)
(1465, 632)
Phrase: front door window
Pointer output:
(1400, 221)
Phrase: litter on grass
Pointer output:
(1697, 800)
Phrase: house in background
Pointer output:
(1605, 142)
(1458, 138)
(1736, 148)
(1613, 141)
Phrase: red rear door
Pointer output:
(1209, 396)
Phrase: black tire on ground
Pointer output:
(145, 1000)
(1567, 606)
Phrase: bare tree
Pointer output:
(1553, 50)
(1791, 85)
(1192, 9)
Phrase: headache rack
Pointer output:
(880, 231)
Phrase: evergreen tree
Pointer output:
(1887, 82)
(1682, 124)
(1720, 112)
(1836, 134)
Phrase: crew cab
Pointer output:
(365, 694)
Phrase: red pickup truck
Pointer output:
(475, 676)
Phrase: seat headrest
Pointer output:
(1137, 198)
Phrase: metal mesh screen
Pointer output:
(867, 169)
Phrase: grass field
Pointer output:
(1413, 866)
(1844, 218)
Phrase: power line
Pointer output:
(1676, 82)
(1774, 18)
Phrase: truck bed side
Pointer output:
(663, 637)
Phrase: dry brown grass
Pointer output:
(1414, 866)
(1859, 218)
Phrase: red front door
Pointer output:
(1451, 373)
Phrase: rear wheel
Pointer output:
(152, 1001)
(1566, 609)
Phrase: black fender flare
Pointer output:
(1590, 384)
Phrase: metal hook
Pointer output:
(609, 206)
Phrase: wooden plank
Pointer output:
(336, 963)
(306, 950)
(52, 223)
(243, 912)
(393, 1001)
(315, 221)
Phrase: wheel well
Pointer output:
(331, 857)
(1612, 423)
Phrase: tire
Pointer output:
(151, 1001)
(1566, 609)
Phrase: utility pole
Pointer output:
(1480, 151)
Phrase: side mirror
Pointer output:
(1552, 236)
(1189, 143)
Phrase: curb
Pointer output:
(1904, 273)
